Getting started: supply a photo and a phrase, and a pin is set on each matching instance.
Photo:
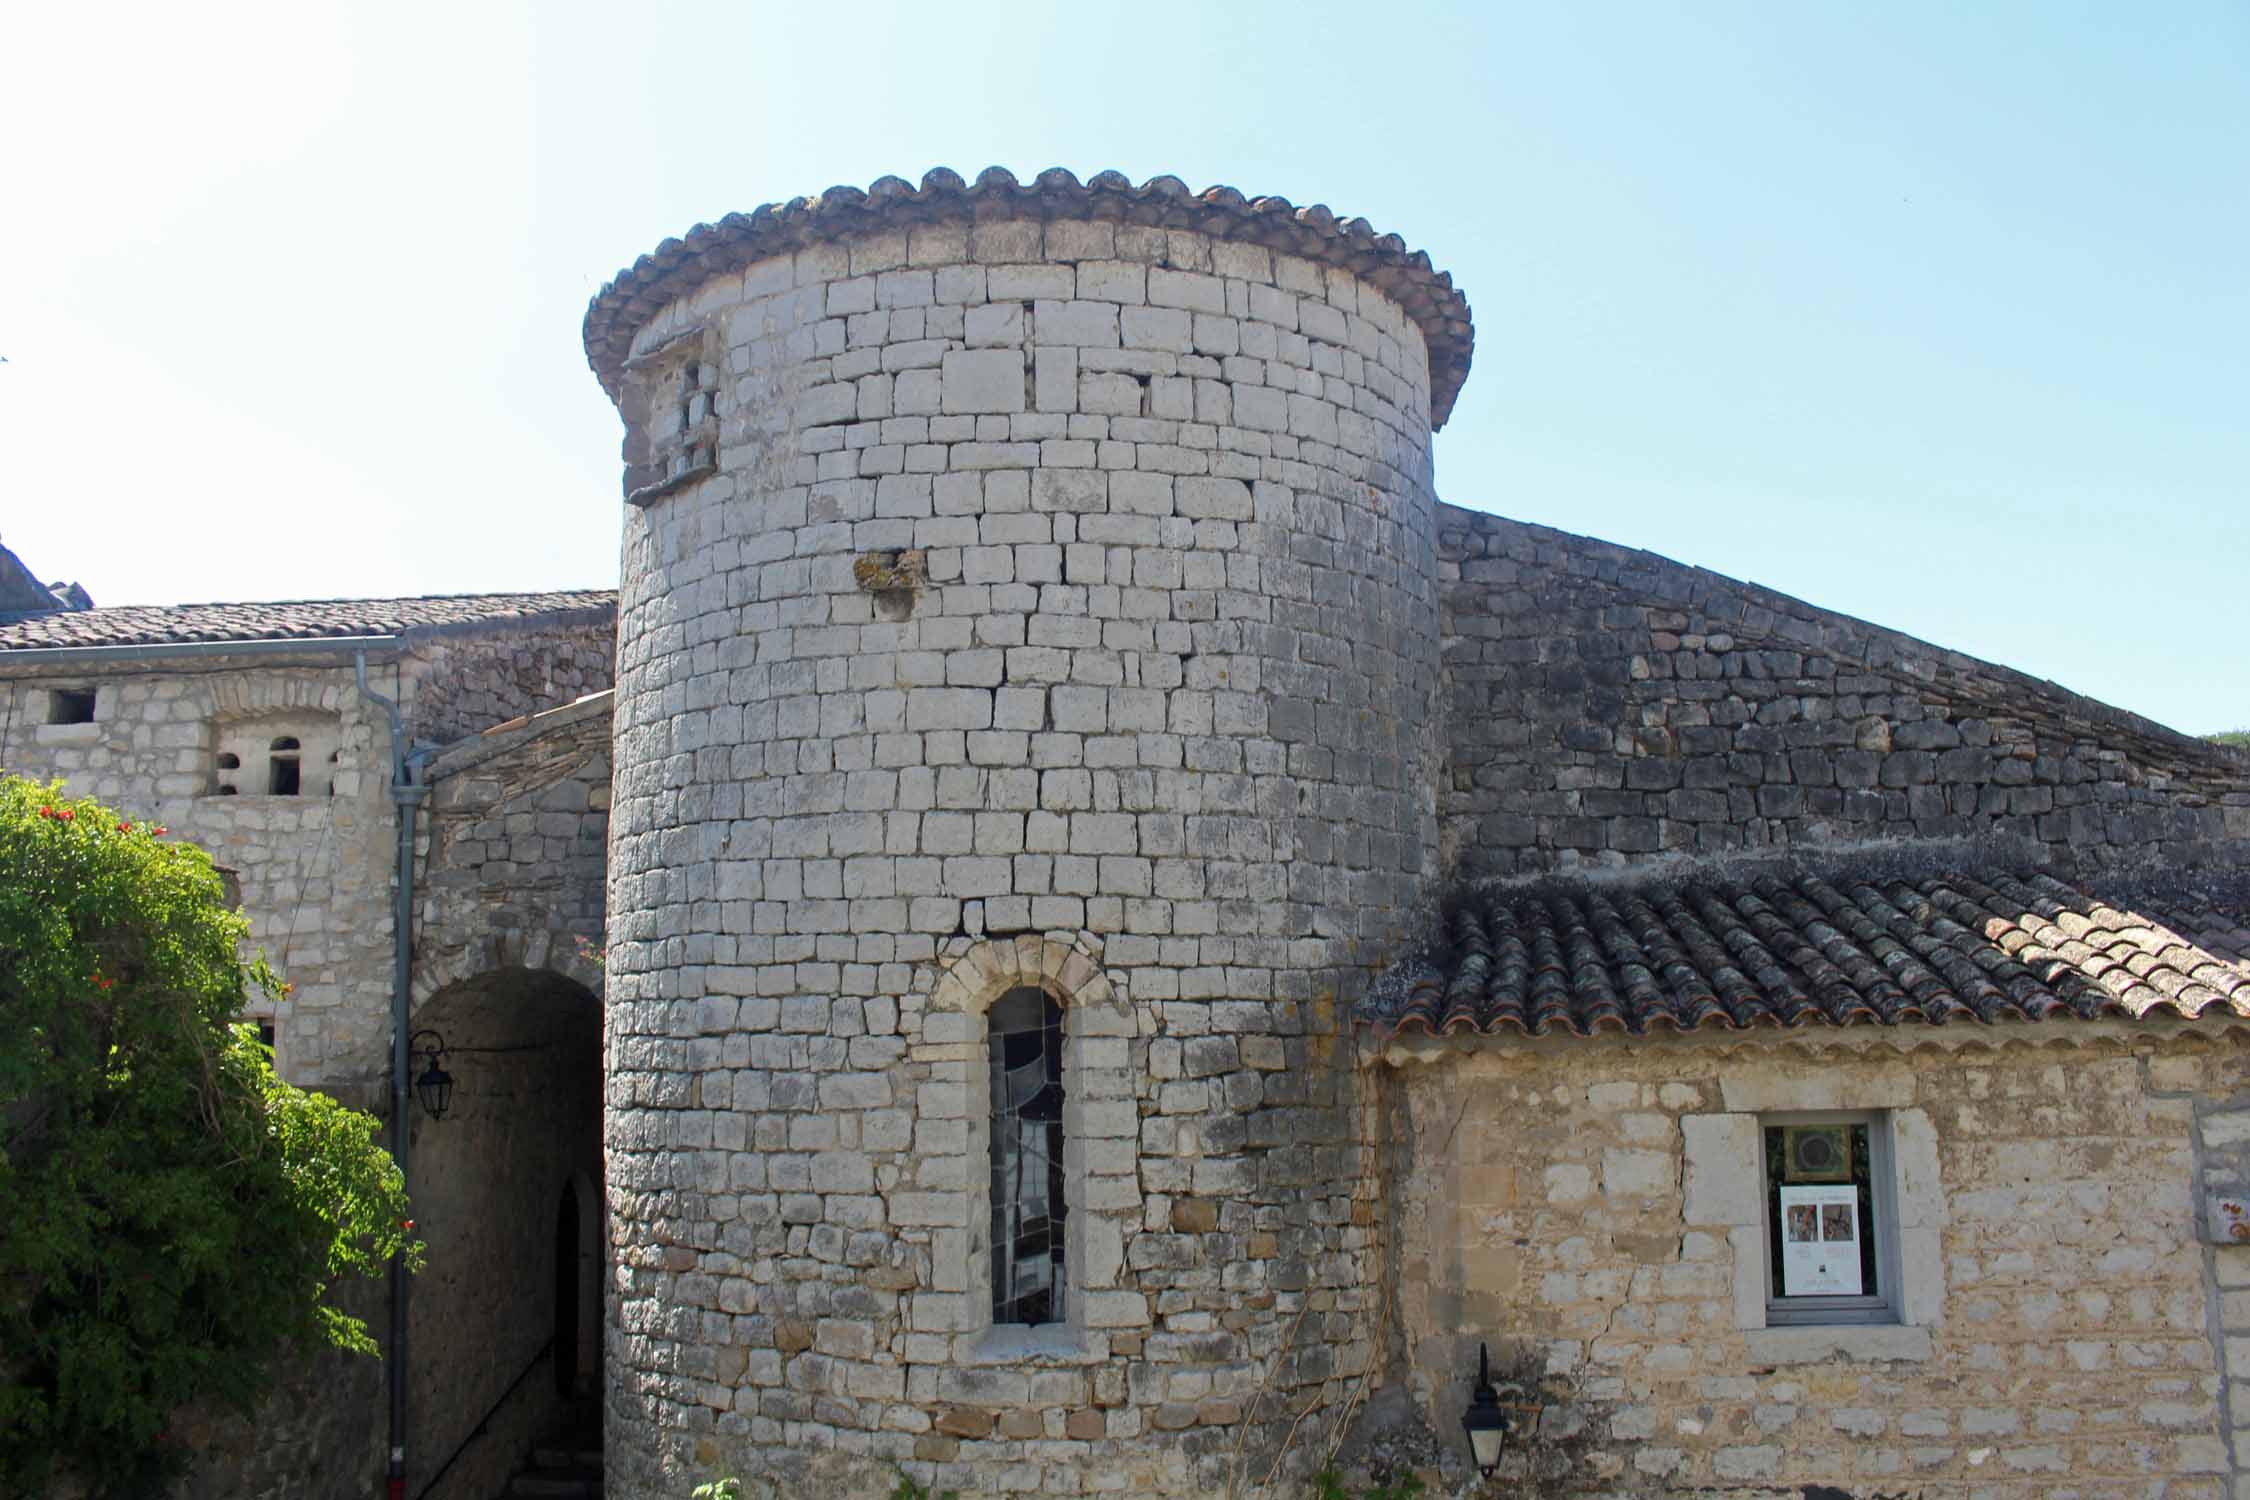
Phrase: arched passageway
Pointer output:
(504, 1320)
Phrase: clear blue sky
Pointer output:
(1935, 314)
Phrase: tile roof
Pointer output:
(1315, 232)
(295, 619)
(1791, 950)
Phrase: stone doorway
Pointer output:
(578, 1290)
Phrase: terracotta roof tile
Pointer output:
(296, 619)
(1791, 949)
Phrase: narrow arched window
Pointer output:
(1026, 1050)
(284, 763)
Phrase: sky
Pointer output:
(1935, 314)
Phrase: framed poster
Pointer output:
(1820, 1240)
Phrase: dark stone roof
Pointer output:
(1792, 949)
(295, 619)
(677, 266)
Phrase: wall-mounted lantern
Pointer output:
(1491, 1420)
(433, 1084)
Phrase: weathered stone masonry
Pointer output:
(1063, 576)
(2058, 1343)
(511, 869)
(1608, 706)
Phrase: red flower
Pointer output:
(407, 1225)
(67, 814)
(124, 828)
(160, 830)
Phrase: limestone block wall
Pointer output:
(1571, 1205)
(2222, 1136)
(1608, 706)
(511, 865)
(1052, 580)
(314, 870)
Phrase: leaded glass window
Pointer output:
(1027, 1158)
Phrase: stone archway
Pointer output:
(490, 1181)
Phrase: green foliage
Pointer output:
(907, 1489)
(2238, 738)
(1329, 1485)
(718, 1489)
(175, 1213)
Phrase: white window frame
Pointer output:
(1888, 1303)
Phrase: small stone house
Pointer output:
(1135, 939)
(263, 733)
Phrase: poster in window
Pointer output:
(1820, 1240)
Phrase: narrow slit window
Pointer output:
(286, 770)
(1028, 1210)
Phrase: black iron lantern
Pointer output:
(1487, 1422)
(434, 1084)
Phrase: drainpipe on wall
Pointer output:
(406, 797)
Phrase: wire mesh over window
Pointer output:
(1027, 1158)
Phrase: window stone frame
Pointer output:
(1724, 1183)
(1101, 1130)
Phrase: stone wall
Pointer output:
(507, 966)
(463, 679)
(516, 854)
(511, 869)
(314, 871)
(321, 1431)
(1573, 1205)
(2222, 1134)
(1067, 581)
(1608, 706)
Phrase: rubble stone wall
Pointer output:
(462, 680)
(1608, 706)
(516, 854)
(1067, 582)
(1575, 1207)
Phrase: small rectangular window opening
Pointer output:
(1028, 1208)
(284, 778)
(70, 706)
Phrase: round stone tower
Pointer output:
(1026, 752)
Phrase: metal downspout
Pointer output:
(406, 797)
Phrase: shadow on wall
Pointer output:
(504, 1324)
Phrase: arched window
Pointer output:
(286, 766)
(1028, 1206)
(283, 753)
